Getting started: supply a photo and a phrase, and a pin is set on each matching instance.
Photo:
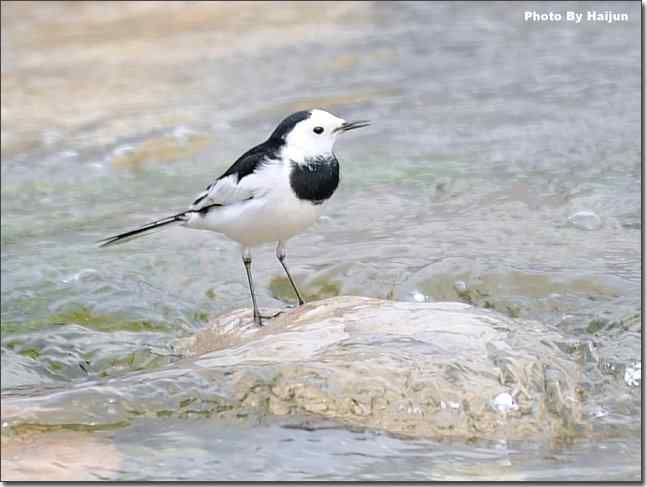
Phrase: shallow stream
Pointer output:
(502, 169)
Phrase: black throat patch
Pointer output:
(316, 179)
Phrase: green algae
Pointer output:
(201, 316)
(56, 366)
(319, 288)
(631, 322)
(515, 294)
(596, 325)
(137, 360)
(211, 293)
(32, 353)
(87, 318)
(30, 428)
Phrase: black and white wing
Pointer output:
(239, 183)
(234, 185)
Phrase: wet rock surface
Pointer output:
(421, 369)
(428, 370)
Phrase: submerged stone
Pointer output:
(433, 370)
(394, 365)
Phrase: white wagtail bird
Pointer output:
(271, 193)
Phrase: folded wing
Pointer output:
(235, 185)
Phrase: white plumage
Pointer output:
(261, 208)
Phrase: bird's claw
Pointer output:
(258, 318)
(269, 317)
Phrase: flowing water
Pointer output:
(503, 168)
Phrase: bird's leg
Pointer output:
(280, 254)
(247, 260)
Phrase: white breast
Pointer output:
(273, 213)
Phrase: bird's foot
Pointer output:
(269, 317)
(258, 318)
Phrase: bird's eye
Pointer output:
(318, 130)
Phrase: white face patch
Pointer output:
(312, 137)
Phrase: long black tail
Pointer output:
(139, 232)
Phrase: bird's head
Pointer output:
(313, 133)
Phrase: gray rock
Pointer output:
(422, 369)
(415, 369)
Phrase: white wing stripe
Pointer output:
(230, 190)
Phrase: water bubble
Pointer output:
(69, 154)
(460, 286)
(123, 150)
(182, 133)
(501, 445)
(600, 412)
(504, 403)
(82, 275)
(419, 297)
(633, 374)
(585, 220)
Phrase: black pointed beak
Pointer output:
(346, 126)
